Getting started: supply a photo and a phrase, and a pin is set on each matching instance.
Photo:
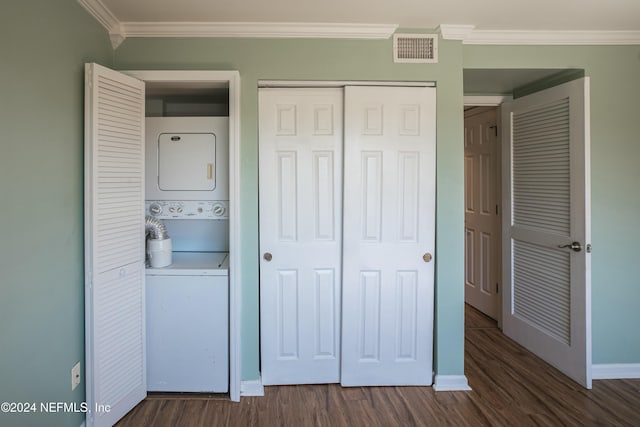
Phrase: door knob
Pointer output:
(267, 256)
(574, 246)
(427, 257)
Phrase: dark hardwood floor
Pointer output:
(511, 387)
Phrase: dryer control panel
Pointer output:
(187, 209)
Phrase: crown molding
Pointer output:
(455, 32)
(119, 31)
(486, 100)
(98, 10)
(106, 18)
(258, 29)
(517, 37)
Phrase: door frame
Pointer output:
(494, 101)
(232, 78)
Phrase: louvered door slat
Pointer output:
(533, 175)
(542, 292)
(124, 164)
(114, 202)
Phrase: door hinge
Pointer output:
(495, 128)
(497, 288)
(496, 209)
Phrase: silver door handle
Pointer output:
(574, 246)
(267, 256)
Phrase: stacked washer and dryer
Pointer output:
(187, 276)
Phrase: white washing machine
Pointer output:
(188, 324)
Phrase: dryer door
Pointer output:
(186, 161)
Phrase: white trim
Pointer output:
(486, 100)
(83, 423)
(116, 39)
(518, 37)
(106, 18)
(98, 10)
(455, 32)
(235, 282)
(118, 31)
(252, 388)
(235, 278)
(337, 83)
(615, 371)
(258, 29)
(451, 383)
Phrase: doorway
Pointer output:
(114, 261)
(482, 189)
(545, 303)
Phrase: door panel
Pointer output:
(482, 221)
(547, 284)
(300, 227)
(389, 223)
(114, 244)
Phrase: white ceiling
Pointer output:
(553, 15)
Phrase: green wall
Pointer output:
(615, 101)
(266, 59)
(614, 73)
(43, 47)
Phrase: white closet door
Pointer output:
(300, 234)
(389, 227)
(546, 232)
(114, 244)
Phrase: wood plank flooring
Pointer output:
(511, 387)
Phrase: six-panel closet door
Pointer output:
(388, 240)
(346, 290)
(300, 234)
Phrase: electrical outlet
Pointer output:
(75, 376)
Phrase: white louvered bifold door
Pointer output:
(114, 244)
(546, 189)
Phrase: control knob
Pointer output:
(155, 209)
(218, 210)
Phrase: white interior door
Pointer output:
(389, 226)
(300, 234)
(546, 227)
(481, 214)
(114, 244)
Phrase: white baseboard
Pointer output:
(615, 371)
(252, 388)
(451, 383)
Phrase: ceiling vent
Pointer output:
(415, 48)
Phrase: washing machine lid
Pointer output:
(194, 264)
